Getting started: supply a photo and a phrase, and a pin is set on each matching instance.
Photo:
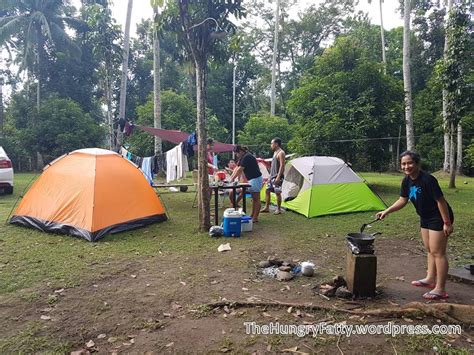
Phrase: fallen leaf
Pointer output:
(133, 276)
(132, 341)
(400, 278)
(90, 344)
(225, 350)
(245, 289)
(214, 282)
(408, 320)
(290, 309)
(269, 347)
(49, 309)
(182, 283)
(176, 306)
(168, 315)
(226, 309)
(43, 317)
(59, 291)
(169, 345)
(101, 336)
(112, 339)
(268, 315)
(126, 344)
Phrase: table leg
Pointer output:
(244, 204)
(216, 206)
(234, 198)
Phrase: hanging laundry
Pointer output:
(123, 152)
(147, 168)
(176, 164)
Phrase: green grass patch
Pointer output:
(29, 258)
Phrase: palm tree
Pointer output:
(32, 25)
(382, 36)
(156, 74)
(446, 136)
(410, 132)
(123, 83)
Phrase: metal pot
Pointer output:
(362, 239)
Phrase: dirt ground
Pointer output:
(154, 305)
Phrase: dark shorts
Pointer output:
(271, 186)
(435, 223)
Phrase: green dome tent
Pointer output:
(317, 186)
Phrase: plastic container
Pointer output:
(232, 223)
(221, 175)
(246, 224)
(307, 268)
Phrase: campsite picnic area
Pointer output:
(152, 289)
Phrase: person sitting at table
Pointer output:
(249, 166)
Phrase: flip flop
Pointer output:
(264, 211)
(419, 283)
(432, 296)
(277, 212)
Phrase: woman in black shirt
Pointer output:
(436, 221)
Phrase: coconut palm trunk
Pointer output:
(156, 83)
(410, 131)
(459, 153)
(446, 135)
(123, 82)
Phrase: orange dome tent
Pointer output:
(89, 193)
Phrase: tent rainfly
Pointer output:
(89, 193)
(318, 185)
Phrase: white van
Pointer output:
(6, 173)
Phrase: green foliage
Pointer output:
(63, 126)
(260, 129)
(346, 96)
(177, 112)
(457, 63)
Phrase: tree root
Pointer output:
(450, 313)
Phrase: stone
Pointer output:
(274, 261)
(284, 275)
(329, 292)
(338, 281)
(264, 264)
(285, 268)
(343, 292)
(307, 272)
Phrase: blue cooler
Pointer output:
(232, 223)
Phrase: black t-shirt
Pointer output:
(423, 192)
(250, 165)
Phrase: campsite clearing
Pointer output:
(57, 293)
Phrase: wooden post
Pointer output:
(361, 274)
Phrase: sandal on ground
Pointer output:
(420, 283)
(433, 296)
(277, 212)
(264, 211)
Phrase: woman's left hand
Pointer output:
(448, 230)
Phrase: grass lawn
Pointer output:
(32, 264)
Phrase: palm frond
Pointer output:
(41, 19)
(12, 27)
(62, 39)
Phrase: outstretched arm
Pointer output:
(398, 205)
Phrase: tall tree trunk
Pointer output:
(156, 84)
(274, 59)
(1, 108)
(446, 136)
(452, 157)
(123, 82)
(38, 78)
(382, 37)
(410, 132)
(459, 154)
(203, 180)
(108, 99)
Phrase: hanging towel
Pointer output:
(176, 164)
(146, 168)
(124, 152)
